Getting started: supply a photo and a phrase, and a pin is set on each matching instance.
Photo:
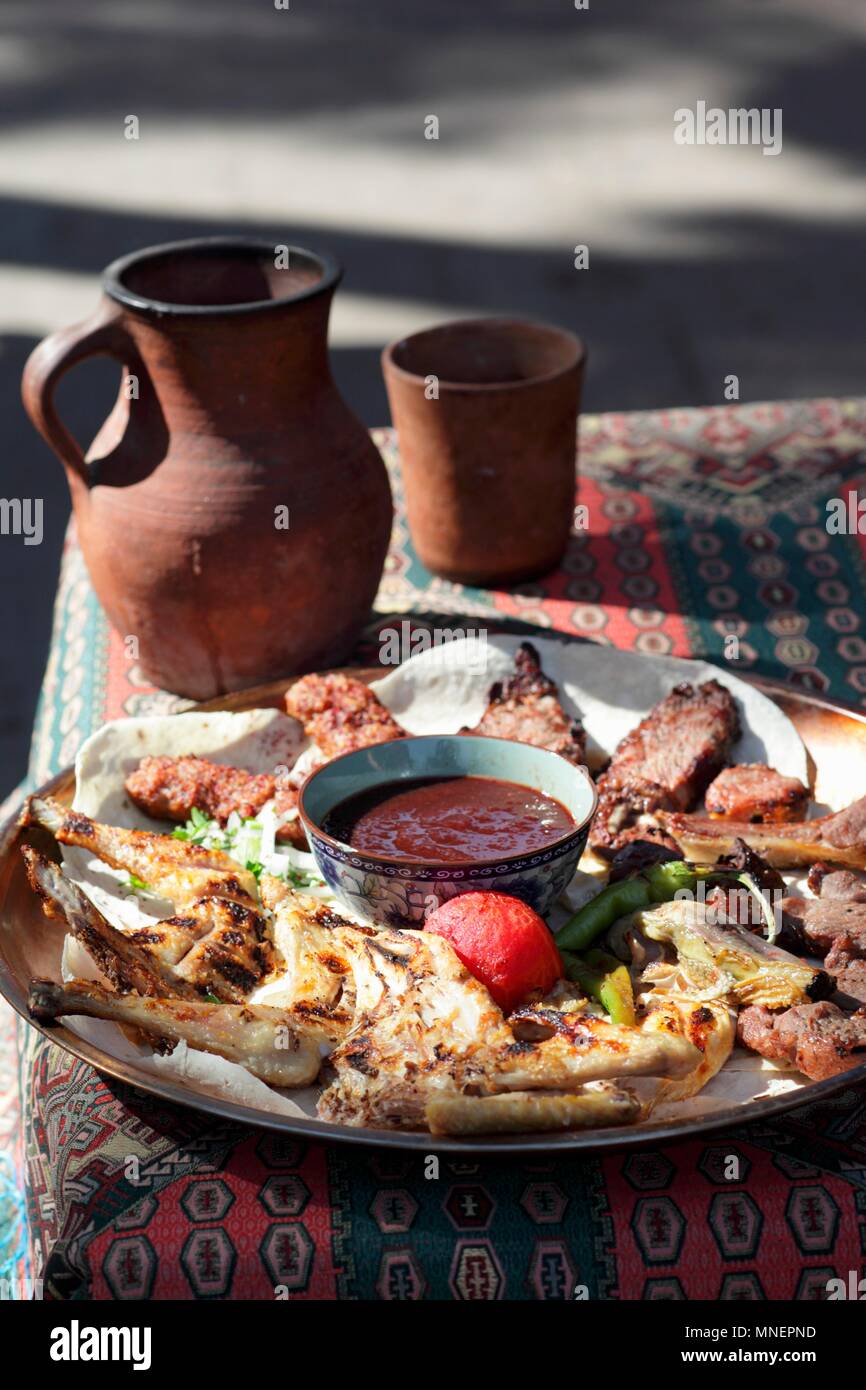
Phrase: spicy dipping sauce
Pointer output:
(449, 820)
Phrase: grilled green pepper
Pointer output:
(660, 883)
(606, 979)
(657, 884)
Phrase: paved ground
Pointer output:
(555, 128)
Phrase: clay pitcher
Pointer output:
(233, 512)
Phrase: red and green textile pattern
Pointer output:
(700, 526)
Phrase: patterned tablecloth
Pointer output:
(701, 524)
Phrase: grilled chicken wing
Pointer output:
(526, 708)
(219, 947)
(174, 869)
(592, 1107)
(128, 964)
(233, 953)
(265, 1041)
(340, 714)
(317, 981)
(172, 788)
(710, 1024)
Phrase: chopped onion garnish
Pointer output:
(253, 843)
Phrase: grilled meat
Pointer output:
(526, 708)
(746, 860)
(172, 788)
(317, 980)
(219, 946)
(754, 792)
(175, 869)
(834, 929)
(636, 855)
(265, 1041)
(591, 1107)
(846, 963)
(627, 815)
(709, 1024)
(233, 953)
(169, 940)
(818, 1039)
(842, 885)
(836, 839)
(733, 901)
(681, 744)
(818, 923)
(425, 1029)
(340, 714)
(127, 964)
(666, 763)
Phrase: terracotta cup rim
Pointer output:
(330, 275)
(491, 324)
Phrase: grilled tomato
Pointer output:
(502, 942)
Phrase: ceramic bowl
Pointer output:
(402, 893)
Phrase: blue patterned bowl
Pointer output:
(402, 893)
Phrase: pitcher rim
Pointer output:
(113, 286)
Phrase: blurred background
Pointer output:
(555, 129)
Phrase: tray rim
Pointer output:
(607, 1140)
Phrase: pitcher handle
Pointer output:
(100, 335)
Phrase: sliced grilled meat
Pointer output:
(846, 962)
(818, 1039)
(340, 714)
(665, 764)
(819, 924)
(756, 792)
(172, 788)
(526, 708)
(840, 885)
(627, 814)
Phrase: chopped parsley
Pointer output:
(251, 842)
(196, 829)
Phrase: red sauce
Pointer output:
(449, 820)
